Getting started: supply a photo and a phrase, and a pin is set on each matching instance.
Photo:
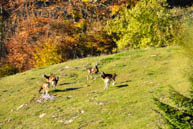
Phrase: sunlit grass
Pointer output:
(142, 75)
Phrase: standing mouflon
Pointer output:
(45, 86)
(51, 79)
(107, 78)
(93, 71)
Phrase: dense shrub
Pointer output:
(148, 24)
(6, 69)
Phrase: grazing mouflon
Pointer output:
(93, 71)
(107, 78)
(51, 79)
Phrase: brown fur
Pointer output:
(51, 79)
(108, 78)
(93, 71)
(44, 87)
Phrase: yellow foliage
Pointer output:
(70, 39)
(86, 1)
(47, 54)
(115, 9)
(80, 24)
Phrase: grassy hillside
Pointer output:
(142, 75)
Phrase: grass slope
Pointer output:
(142, 75)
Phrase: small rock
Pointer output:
(100, 103)
(129, 114)
(54, 116)
(47, 97)
(60, 121)
(81, 111)
(68, 121)
(21, 106)
(42, 115)
(9, 120)
(74, 117)
(67, 67)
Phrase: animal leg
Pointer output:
(54, 85)
(94, 77)
(89, 76)
(46, 91)
(114, 83)
(106, 84)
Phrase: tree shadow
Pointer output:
(121, 86)
(65, 90)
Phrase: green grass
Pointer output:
(127, 105)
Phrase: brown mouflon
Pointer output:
(51, 79)
(93, 71)
(108, 78)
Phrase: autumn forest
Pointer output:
(37, 33)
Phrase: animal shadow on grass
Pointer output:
(121, 86)
(67, 89)
(66, 84)
(126, 81)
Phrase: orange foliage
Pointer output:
(76, 26)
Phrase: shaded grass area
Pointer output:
(142, 75)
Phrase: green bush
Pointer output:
(148, 24)
(6, 69)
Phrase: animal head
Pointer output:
(102, 74)
(114, 74)
(50, 78)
